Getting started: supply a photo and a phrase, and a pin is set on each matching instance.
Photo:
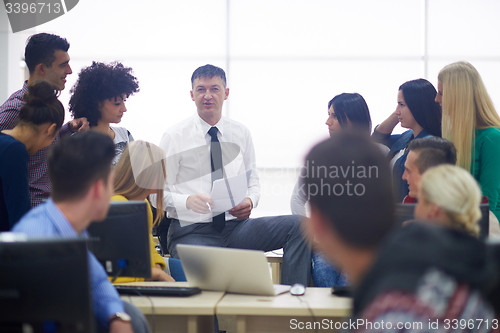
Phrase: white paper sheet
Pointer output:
(225, 198)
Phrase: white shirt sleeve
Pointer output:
(298, 200)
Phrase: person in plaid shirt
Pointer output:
(47, 58)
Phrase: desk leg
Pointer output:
(241, 325)
(276, 272)
(192, 325)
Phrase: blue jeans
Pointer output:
(324, 274)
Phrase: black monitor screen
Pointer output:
(44, 286)
(121, 241)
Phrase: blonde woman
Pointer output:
(450, 196)
(139, 173)
(471, 122)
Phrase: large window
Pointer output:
(285, 59)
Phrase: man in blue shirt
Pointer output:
(82, 185)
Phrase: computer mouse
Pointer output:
(297, 289)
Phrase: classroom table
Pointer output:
(285, 313)
(193, 314)
(242, 313)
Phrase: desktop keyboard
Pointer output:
(157, 290)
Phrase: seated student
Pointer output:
(409, 275)
(99, 95)
(417, 111)
(40, 119)
(423, 154)
(428, 152)
(346, 112)
(139, 173)
(82, 185)
(473, 125)
(448, 195)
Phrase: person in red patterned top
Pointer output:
(419, 278)
(47, 59)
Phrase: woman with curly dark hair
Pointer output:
(99, 95)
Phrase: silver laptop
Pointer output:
(230, 270)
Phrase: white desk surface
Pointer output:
(200, 304)
(320, 300)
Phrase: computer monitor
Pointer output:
(121, 241)
(44, 286)
(404, 212)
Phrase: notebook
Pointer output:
(231, 270)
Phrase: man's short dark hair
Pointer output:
(348, 180)
(433, 151)
(40, 49)
(77, 162)
(209, 71)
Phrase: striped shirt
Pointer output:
(47, 221)
(39, 182)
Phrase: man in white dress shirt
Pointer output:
(191, 147)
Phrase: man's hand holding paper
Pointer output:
(229, 193)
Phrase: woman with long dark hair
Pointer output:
(416, 110)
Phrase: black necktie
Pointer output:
(219, 221)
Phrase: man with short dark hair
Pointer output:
(423, 154)
(82, 178)
(430, 152)
(418, 278)
(207, 147)
(47, 58)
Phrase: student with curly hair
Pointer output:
(99, 95)
(40, 119)
(471, 122)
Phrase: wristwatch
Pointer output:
(120, 316)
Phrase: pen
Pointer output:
(209, 208)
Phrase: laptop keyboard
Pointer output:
(157, 290)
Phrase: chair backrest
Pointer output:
(405, 212)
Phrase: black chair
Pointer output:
(160, 230)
